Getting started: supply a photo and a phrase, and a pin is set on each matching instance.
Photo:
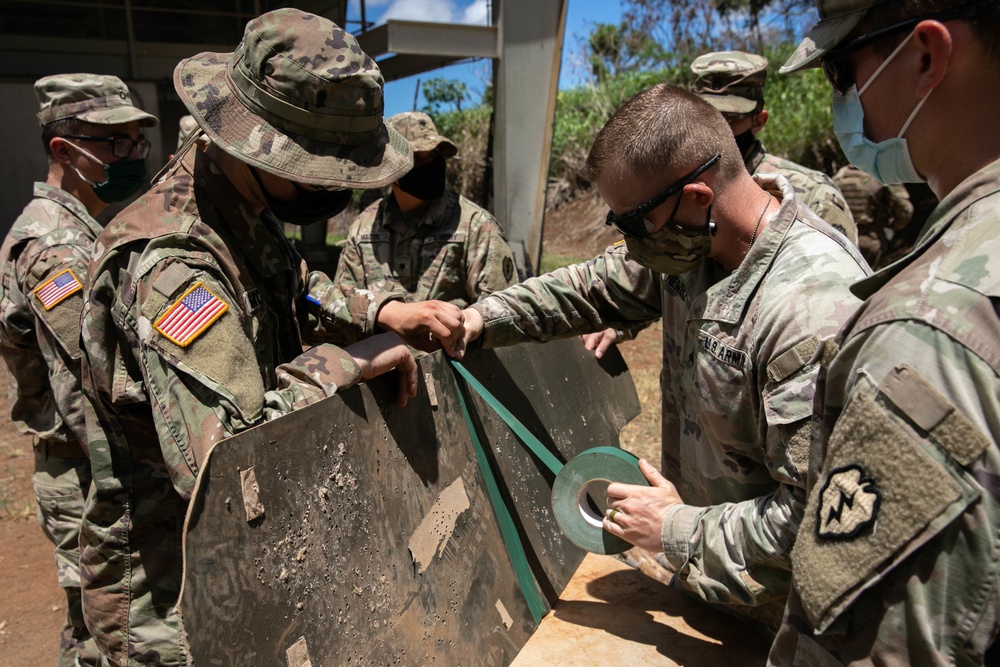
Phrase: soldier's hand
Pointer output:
(636, 513)
(382, 353)
(599, 341)
(425, 325)
(473, 330)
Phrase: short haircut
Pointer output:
(60, 128)
(985, 24)
(665, 130)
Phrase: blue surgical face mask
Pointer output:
(887, 161)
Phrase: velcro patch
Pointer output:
(848, 503)
(189, 316)
(508, 268)
(57, 288)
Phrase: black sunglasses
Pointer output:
(121, 147)
(839, 72)
(633, 223)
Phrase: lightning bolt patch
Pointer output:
(848, 503)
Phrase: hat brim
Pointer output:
(822, 39)
(444, 146)
(730, 103)
(202, 85)
(119, 116)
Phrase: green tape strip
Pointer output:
(530, 441)
(591, 471)
(518, 558)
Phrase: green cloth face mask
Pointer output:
(122, 179)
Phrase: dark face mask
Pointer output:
(425, 182)
(122, 179)
(745, 142)
(309, 206)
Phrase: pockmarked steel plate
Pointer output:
(372, 539)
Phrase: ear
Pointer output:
(60, 150)
(703, 194)
(759, 121)
(935, 43)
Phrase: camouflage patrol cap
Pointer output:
(837, 18)
(297, 98)
(186, 126)
(731, 81)
(419, 130)
(101, 99)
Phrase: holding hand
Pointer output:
(425, 325)
(636, 513)
(599, 341)
(382, 353)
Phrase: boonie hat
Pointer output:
(297, 98)
(101, 99)
(837, 18)
(419, 130)
(731, 81)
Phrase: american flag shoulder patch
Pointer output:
(191, 315)
(57, 288)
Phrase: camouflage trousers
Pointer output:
(62, 479)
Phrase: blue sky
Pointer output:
(580, 16)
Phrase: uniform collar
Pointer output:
(70, 203)
(727, 297)
(983, 183)
(408, 223)
(259, 236)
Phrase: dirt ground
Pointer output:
(31, 604)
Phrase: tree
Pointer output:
(612, 49)
(441, 93)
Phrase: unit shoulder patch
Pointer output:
(54, 290)
(508, 268)
(848, 503)
(191, 315)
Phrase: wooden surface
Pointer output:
(610, 614)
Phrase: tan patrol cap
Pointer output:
(419, 130)
(101, 99)
(731, 81)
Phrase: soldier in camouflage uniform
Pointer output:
(747, 281)
(422, 241)
(896, 561)
(199, 307)
(733, 82)
(90, 130)
(881, 212)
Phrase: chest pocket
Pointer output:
(376, 255)
(893, 477)
(442, 269)
(722, 369)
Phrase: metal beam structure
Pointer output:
(525, 82)
(525, 43)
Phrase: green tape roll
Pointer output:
(589, 473)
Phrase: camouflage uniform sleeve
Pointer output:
(350, 268)
(828, 202)
(895, 560)
(488, 258)
(58, 318)
(608, 291)
(201, 388)
(342, 314)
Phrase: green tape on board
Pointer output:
(589, 473)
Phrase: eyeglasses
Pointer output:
(839, 72)
(121, 147)
(633, 223)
